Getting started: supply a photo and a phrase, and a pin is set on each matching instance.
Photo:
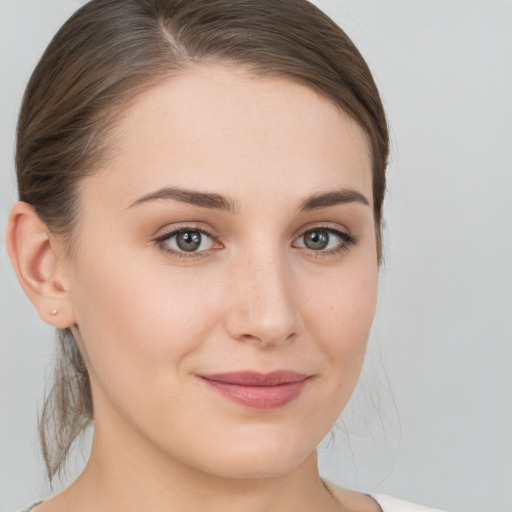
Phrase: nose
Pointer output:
(263, 305)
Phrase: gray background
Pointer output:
(431, 420)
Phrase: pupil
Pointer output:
(188, 240)
(316, 240)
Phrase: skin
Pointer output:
(254, 297)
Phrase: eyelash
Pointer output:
(162, 239)
(346, 242)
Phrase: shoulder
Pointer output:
(29, 508)
(386, 503)
(389, 504)
(359, 502)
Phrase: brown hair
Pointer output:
(108, 52)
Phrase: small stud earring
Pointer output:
(54, 312)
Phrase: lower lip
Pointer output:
(259, 397)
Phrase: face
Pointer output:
(225, 279)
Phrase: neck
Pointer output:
(129, 474)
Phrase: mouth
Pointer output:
(263, 391)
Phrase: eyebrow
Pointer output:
(218, 202)
(203, 199)
(326, 199)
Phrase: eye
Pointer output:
(326, 240)
(185, 240)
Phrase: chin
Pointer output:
(269, 458)
(271, 466)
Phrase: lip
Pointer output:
(257, 390)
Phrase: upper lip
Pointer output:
(255, 378)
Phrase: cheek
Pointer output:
(342, 315)
(137, 325)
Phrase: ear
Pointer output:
(39, 263)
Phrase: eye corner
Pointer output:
(324, 247)
(169, 244)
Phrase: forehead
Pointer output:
(223, 128)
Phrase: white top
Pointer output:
(387, 503)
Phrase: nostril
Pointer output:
(268, 339)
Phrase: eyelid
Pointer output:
(185, 226)
(328, 226)
(347, 239)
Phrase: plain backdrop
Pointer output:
(431, 420)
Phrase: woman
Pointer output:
(201, 188)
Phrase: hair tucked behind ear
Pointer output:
(68, 408)
(111, 50)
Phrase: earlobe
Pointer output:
(39, 266)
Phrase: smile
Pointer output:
(257, 390)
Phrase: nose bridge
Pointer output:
(264, 306)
